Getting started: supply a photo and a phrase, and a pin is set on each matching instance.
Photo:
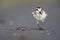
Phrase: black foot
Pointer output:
(41, 29)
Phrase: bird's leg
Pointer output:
(43, 28)
(39, 26)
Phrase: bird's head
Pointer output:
(38, 9)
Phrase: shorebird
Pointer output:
(40, 15)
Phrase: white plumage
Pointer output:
(39, 15)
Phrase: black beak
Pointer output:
(40, 13)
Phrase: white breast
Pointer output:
(40, 17)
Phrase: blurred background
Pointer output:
(14, 13)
